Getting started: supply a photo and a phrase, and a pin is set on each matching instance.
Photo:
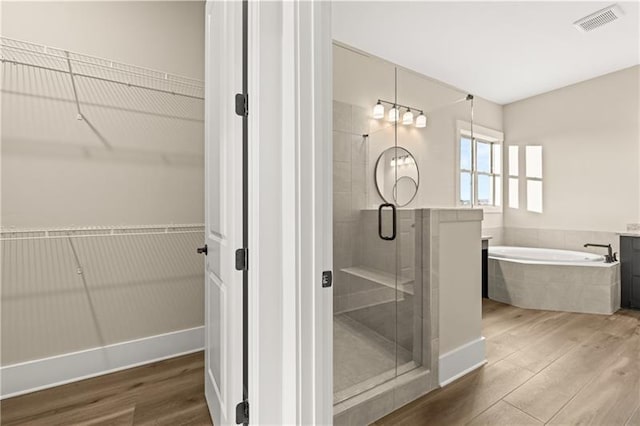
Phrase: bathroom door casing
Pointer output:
(225, 276)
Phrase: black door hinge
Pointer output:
(242, 413)
(242, 259)
(242, 105)
(327, 279)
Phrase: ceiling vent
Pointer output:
(599, 18)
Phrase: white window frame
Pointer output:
(483, 134)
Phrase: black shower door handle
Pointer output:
(393, 218)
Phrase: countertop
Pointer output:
(629, 234)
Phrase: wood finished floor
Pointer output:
(169, 392)
(543, 368)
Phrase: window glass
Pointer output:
(497, 159)
(513, 161)
(485, 190)
(533, 156)
(514, 202)
(498, 191)
(483, 153)
(534, 196)
(465, 188)
(465, 154)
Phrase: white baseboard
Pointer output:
(462, 360)
(18, 379)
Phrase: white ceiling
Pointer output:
(501, 51)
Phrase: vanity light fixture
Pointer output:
(407, 118)
(403, 160)
(394, 113)
(378, 111)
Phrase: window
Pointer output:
(533, 162)
(514, 201)
(480, 168)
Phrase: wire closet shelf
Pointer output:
(12, 234)
(23, 53)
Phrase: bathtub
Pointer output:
(557, 280)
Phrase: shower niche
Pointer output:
(385, 336)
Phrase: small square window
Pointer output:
(483, 152)
(534, 161)
(465, 188)
(497, 159)
(534, 196)
(514, 201)
(465, 154)
(485, 190)
(513, 161)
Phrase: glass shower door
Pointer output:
(410, 146)
(365, 243)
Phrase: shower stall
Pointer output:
(384, 335)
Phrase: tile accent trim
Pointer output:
(461, 361)
(31, 376)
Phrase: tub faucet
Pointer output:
(608, 258)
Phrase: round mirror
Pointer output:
(397, 176)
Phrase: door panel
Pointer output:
(216, 333)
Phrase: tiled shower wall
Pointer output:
(356, 242)
(395, 319)
(349, 191)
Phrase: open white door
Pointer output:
(223, 211)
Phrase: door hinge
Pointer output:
(242, 259)
(242, 413)
(242, 104)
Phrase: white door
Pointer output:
(223, 211)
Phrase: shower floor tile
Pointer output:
(362, 358)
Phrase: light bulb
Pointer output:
(378, 111)
(407, 118)
(393, 162)
(421, 121)
(394, 114)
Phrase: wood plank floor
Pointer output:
(169, 392)
(543, 367)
